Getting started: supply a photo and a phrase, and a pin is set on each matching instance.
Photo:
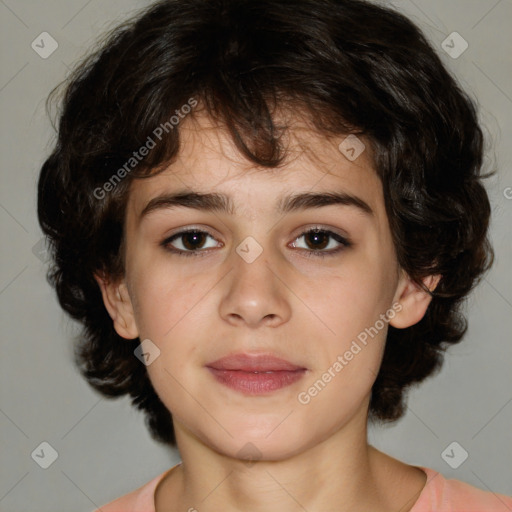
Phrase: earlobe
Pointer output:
(119, 306)
(414, 301)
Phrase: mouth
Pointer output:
(255, 374)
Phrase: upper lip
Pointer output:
(253, 363)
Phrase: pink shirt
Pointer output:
(438, 495)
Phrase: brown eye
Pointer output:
(188, 243)
(317, 240)
(193, 240)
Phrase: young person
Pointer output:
(263, 214)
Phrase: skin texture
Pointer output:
(307, 310)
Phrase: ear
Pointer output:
(413, 299)
(119, 306)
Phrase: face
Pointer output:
(270, 315)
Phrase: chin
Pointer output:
(262, 439)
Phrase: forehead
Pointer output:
(209, 161)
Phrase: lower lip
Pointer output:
(251, 383)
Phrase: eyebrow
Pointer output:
(216, 202)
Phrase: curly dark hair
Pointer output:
(353, 68)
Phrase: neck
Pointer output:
(341, 472)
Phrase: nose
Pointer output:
(256, 293)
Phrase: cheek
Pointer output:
(354, 304)
(354, 300)
(169, 314)
(351, 353)
(163, 299)
(169, 311)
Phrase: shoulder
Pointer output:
(139, 500)
(449, 495)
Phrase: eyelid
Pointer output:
(322, 228)
(190, 229)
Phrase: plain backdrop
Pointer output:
(103, 447)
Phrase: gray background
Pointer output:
(103, 447)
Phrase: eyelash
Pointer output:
(309, 252)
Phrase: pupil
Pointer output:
(193, 237)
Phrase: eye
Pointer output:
(318, 240)
(189, 242)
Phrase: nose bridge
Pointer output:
(255, 291)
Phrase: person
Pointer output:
(263, 214)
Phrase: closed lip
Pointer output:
(253, 363)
